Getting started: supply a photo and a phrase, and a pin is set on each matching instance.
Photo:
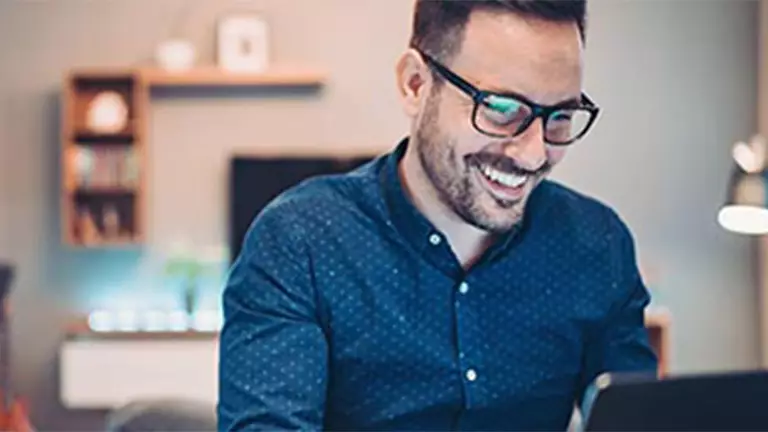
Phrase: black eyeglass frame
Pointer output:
(537, 111)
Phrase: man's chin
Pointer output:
(496, 221)
(502, 217)
(502, 226)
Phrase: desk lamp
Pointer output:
(745, 211)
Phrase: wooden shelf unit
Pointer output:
(214, 77)
(102, 173)
(105, 205)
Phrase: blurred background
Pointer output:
(132, 133)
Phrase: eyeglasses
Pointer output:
(509, 114)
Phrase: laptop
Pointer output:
(735, 401)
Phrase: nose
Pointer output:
(528, 149)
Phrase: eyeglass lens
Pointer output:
(504, 116)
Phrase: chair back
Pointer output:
(169, 415)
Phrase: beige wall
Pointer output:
(4, 184)
(676, 81)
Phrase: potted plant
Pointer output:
(191, 267)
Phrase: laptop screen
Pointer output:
(733, 401)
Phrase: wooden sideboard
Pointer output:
(658, 323)
(103, 370)
(106, 371)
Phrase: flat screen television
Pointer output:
(254, 182)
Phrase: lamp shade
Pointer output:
(745, 211)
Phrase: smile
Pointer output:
(509, 180)
(501, 185)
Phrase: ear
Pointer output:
(413, 81)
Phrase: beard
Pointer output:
(457, 185)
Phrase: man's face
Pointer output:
(487, 180)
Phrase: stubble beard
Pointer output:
(453, 180)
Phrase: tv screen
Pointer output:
(254, 182)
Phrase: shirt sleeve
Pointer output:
(272, 349)
(620, 343)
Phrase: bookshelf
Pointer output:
(104, 144)
(103, 159)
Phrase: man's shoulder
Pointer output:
(579, 211)
(567, 198)
(323, 197)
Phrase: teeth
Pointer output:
(509, 180)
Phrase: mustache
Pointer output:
(508, 165)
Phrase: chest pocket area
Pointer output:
(535, 352)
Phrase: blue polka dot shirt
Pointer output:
(347, 310)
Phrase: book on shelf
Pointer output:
(106, 167)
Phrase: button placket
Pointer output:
(466, 359)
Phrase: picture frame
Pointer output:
(243, 43)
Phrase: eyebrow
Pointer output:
(462, 81)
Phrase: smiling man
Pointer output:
(447, 284)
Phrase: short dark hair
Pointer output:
(438, 25)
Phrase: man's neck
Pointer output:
(468, 242)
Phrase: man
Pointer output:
(446, 285)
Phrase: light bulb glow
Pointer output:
(744, 219)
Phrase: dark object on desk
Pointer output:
(254, 182)
(709, 402)
(163, 415)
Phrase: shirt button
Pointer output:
(434, 239)
(471, 375)
(463, 288)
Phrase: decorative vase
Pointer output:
(176, 55)
(190, 298)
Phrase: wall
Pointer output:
(762, 124)
(4, 180)
(676, 81)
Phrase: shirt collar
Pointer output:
(411, 224)
(406, 218)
